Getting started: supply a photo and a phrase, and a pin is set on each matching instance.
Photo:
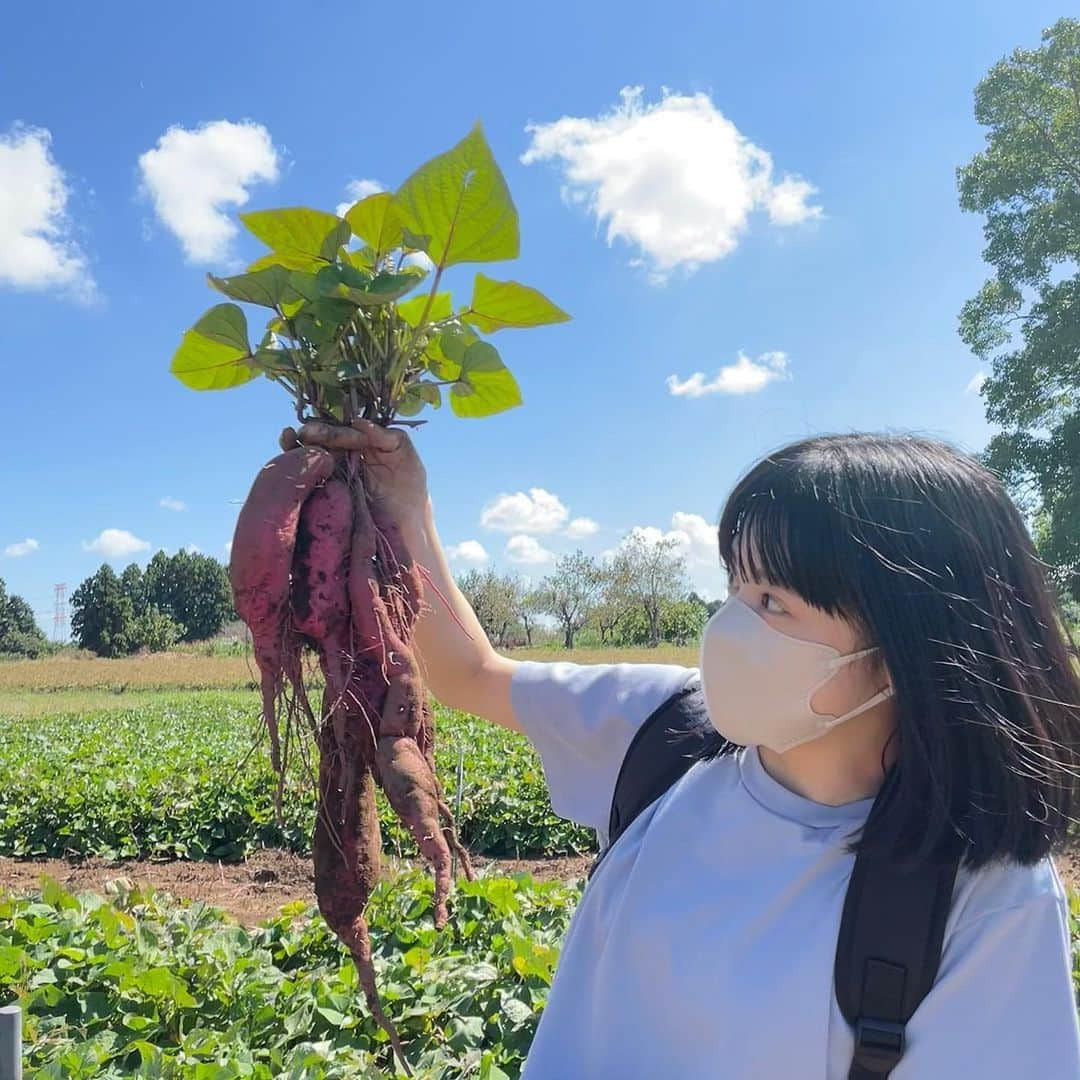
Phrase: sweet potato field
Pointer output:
(179, 778)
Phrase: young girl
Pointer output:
(894, 667)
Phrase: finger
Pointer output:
(379, 437)
(288, 439)
(331, 436)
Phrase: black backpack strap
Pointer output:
(674, 735)
(888, 953)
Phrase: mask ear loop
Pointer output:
(836, 664)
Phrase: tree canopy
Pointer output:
(1025, 320)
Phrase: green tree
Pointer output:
(650, 574)
(570, 592)
(1026, 319)
(102, 615)
(193, 589)
(131, 581)
(19, 632)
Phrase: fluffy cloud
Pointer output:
(172, 504)
(537, 511)
(975, 384)
(355, 190)
(192, 549)
(21, 547)
(745, 376)
(675, 179)
(468, 551)
(581, 527)
(527, 549)
(116, 544)
(36, 247)
(228, 547)
(194, 176)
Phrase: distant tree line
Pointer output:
(640, 596)
(182, 597)
(20, 634)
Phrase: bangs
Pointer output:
(780, 529)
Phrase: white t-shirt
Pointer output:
(704, 944)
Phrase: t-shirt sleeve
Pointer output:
(1003, 1004)
(581, 719)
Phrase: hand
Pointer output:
(394, 475)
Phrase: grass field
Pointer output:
(194, 670)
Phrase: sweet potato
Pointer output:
(260, 564)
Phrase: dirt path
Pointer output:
(251, 891)
(255, 890)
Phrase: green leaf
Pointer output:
(202, 364)
(375, 221)
(227, 324)
(414, 242)
(498, 304)
(410, 403)
(299, 229)
(382, 289)
(273, 360)
(411, 310)
(288, 260)
(429, 392)
(460, 200)
(480, 356)
(266, 287)
(454, 343)
(485, 393)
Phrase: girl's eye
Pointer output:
(772, 605)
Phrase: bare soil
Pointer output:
(250, 891)
(255, 890)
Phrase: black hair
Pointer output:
(921, 548)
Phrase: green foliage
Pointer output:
(1026, 319)
(181, 780)
(141, 985)
(20, 634)
(681, 622)
(156, 631)
(192, 589)
(103, 615)
(345, 338)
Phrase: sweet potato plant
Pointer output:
(356, 331)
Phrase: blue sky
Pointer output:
(781, 190)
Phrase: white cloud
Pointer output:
(21, 547)
(536, 512)
(975, 384)
(421, 259)
(36, 247)
(192, 549)
(745, 376)
(675, 179)
(172, 504)
(116, 543)
(468, 551)
(581, 527)
(527, 549)
(194, 176)
(355, 190)
(228, 547)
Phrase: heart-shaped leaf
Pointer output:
(498, 304)
(376, 222)
(227, 324)
(202, 364)
(267, 287)
(298, 229)
(460, 200)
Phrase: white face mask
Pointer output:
(758, 682)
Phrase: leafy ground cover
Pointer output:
(179, 775)
(136, 984)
